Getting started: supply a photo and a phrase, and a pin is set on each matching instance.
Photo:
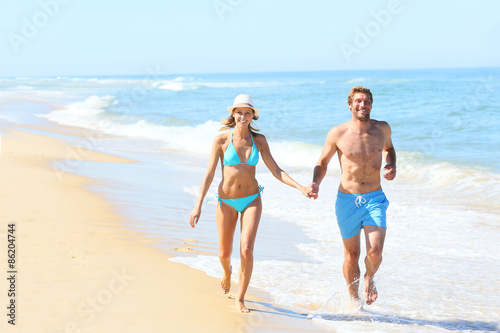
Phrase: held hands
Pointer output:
(305, 190)
(390, 172)
(194, 217)
(311, 191)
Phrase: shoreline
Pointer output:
(81, 267)
(440, 188)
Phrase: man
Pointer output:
(360, 144)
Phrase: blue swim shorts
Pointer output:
(357, 210)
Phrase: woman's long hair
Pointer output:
(230, 122)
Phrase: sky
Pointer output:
(111, 37)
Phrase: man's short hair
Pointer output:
(356, 90)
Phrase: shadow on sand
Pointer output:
(367, 316)
(275, 310)
(452, 325)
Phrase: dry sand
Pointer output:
(80, 269)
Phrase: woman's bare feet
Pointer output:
(225, 283)
(240, 306)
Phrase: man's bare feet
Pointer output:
(356, 305)
(225, 283)
(371, 293)
(240, 306)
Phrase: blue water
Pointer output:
(443, 220)
(444, 114)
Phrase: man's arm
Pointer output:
(329, 149)
(389, 154)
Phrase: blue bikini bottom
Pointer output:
(240, 204)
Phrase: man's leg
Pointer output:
(375, 237)
(351, 266)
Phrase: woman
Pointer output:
(238, 150)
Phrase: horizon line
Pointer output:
(256, 72)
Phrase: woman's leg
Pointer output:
(227, 219)
(250, 219)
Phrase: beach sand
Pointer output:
(80, 267)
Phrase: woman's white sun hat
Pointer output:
(243, 101)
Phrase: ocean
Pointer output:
(441, 265)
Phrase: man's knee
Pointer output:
(374, 253)
(352, 255)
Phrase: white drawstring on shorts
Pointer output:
(360, 201)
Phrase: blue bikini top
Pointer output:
(231, 156)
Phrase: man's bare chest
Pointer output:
(362, 147)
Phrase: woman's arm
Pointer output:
(271, 164)
(207, 180)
